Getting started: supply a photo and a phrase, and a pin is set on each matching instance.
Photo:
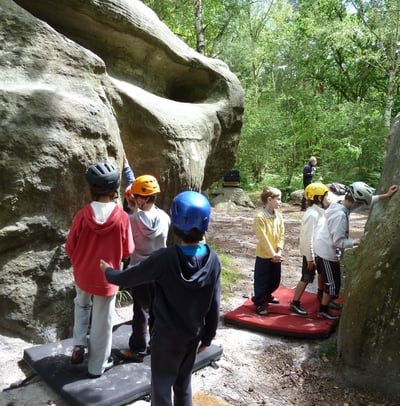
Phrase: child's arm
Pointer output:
(127, 171)
(128, 277)
(391, 191)
(144, 272)
(338, 228)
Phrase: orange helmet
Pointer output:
(145, 185)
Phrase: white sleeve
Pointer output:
(374, 199)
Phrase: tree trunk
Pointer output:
(369, 330)
(199, 26)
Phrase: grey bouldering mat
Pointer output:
(119, 385)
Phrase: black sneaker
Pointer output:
(329, 316)
(335, 306)
(273, 299)
(296, 307)
(262, 311)
(78, 354)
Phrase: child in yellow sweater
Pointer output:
(269, 230)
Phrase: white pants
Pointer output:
(100, 338)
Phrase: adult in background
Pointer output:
(308, 174)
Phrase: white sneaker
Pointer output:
(108, 364)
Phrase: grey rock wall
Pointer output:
(81, 82)
(369, 329)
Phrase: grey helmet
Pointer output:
(361, 193)
(103, 178)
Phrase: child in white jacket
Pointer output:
(312, 222)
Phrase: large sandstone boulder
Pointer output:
(81, 82)
(369, 329)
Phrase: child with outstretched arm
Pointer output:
(187, 299)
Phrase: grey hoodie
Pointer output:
(149, 231)
(334, 233)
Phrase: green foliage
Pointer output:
(320, 77)
(123, 298)
(229, 275)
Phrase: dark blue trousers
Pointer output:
(267, 277)
(142, 320)
(172, 360)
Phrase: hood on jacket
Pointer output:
(195, 271)
(100, 228)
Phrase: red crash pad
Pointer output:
(281, 320)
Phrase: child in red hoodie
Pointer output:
(100, 229)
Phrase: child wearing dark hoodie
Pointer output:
(101, 229)
(187, 299)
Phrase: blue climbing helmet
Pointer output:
(190, 210)
(103, 178)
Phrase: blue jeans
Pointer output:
(267, 277)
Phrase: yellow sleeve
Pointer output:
(281, 231)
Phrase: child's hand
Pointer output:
(277, 258)
(310, 265)
(392, 190)
(104, 265)
(201, 349)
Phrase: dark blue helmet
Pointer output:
(190, 210)
(103, 178)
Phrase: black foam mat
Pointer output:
(119, 385)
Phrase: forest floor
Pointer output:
(255, 368)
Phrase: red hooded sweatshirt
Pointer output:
(89, 241)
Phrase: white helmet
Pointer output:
(361, 193)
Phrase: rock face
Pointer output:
(369, 328)
(80, 83)
(231, 198)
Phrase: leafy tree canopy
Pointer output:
(321, 78)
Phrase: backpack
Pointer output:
(338, 188)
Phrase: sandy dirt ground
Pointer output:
(255, 368)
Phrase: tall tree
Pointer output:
(314, 77)
(198, 14)
(382, 20)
